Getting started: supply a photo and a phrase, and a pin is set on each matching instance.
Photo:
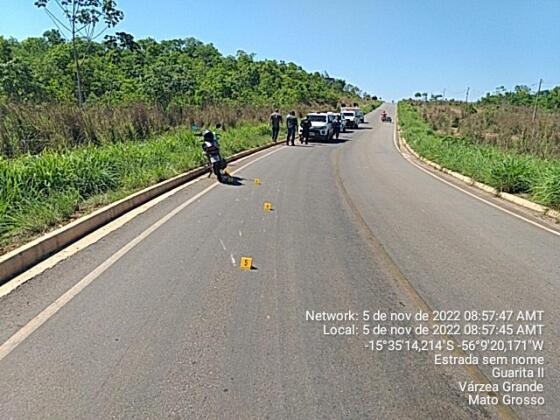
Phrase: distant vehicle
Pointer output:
(351, 119)
(359, 113)
(385, 117)
(321, 125)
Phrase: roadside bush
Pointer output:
(367, 108)
(547, 187)
(513, 175)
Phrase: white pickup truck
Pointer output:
(357, 111)
(352, 120)
(321, 125)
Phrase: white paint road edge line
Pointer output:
(7, 347)
(496, 206)
(88, 240)
(94, 237)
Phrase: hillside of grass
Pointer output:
(504, 168)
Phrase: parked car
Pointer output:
(359, 113)
(351, 119)
(321, 125)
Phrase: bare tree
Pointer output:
(81, 19)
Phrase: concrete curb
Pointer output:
(26, 256)
(539, 208)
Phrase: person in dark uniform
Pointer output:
(291, 125)
(305, 126)
(336, 126)
(275, 122)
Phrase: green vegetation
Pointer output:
(505, 169)
(370, 106)
(132, 90)
(84, 123)
(40, 191)
(171, 73)
(524, 96)
(506, 126)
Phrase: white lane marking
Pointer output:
(232, 259)
(496, 206)
(87, 241)
(16, 339)
(223, 246)
(92, 238)
(240, 234)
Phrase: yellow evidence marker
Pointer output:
(257, 181)
(267, 206)
(246, 263)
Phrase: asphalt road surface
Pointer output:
(174, 328)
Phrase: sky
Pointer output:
(390, 48)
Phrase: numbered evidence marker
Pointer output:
(267, 206)
(257, 181)
(246, 263)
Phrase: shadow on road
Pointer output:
(233, 181)
(333, 141)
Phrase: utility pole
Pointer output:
(467, 95)
(535, 111)
(443, 94)
(536, 100)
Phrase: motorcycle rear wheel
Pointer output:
(216, 168)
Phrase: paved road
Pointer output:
(174, 329)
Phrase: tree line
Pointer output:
(521, 95)
(77, 84)
(177, 72)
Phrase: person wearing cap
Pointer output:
(305, 127)
(336, 125)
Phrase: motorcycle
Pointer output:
(212, 150)
(385, 117)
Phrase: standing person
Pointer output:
(336, 126)
(305, 126)
(275, 122)
(291, 125)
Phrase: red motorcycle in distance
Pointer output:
(385, 117)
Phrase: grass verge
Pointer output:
(508, 171)
(366, 109)
(39, 192)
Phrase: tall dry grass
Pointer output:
(501, 167)
(505, 126)
(32, 129)
(39, 191)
